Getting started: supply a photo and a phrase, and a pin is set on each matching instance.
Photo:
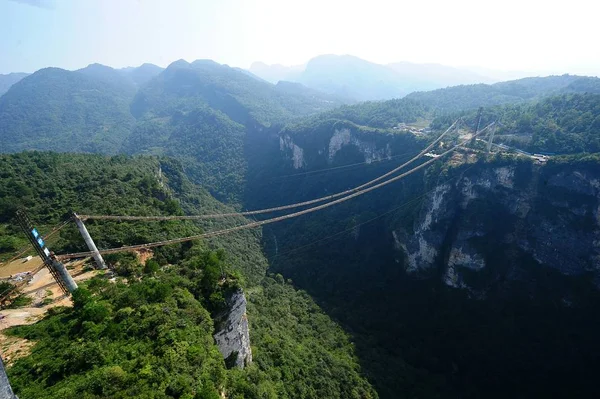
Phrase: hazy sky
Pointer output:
(530, 35)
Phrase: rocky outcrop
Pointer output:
(296, 153)
(507, 217)
(344, 137)
(233, 336)
(5, 389)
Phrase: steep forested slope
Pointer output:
(565, 124)
(60, 110)
(473, 96)
(184, 86)
(142, 74)
(152, 336)
(210, 145)
(385, 114)
(6, 81)
(199, 112)
(206, 114)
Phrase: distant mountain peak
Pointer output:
(276, 72)
(142, 74)
(179, 64)
(349, 76)
(202, 62)
(96, 67)
(149, 65)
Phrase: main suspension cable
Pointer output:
(279, 208)
(356, 192)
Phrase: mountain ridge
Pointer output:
(336, 73)
(7, 80)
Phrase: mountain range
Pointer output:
(6, 81)
(424, 279)
(359, 80)
(346, 78)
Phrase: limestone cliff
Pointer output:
(233, 336)
(496, 220)
(341, 142)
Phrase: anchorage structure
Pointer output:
(57, 269)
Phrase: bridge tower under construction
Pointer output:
(56, 268)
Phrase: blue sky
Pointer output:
(529, 35)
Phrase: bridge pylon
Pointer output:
(89, 242)
(56, 268)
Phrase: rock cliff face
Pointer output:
(344, 137)
(495, 222)
(323, 146)
(233, 337)
(286, 144)
(5, 389)
(501, 220)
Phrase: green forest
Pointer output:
(332, 310)
(152, 337)
(565, 124)
(466, 97)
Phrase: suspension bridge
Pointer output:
(54, 262)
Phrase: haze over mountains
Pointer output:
(96, 108)
(357, 79)
(157, 111)
(131, 75)
(346, 77)
(6, 81)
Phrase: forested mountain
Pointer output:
(60, 110)
(142, 74)
(294, 88)
(421, 273)
(127, 78)
(199, 112)
(565, 124)
(353, 78)
(110, 77)
(203, 113)
(183, 86)
(6, 81)
(153, 335)
(385, 114)
(472, 96)
(210, 145)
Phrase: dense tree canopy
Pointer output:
(465, 97)
(210, 130)
(60, 110)
(151, 335)
(565, 124)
